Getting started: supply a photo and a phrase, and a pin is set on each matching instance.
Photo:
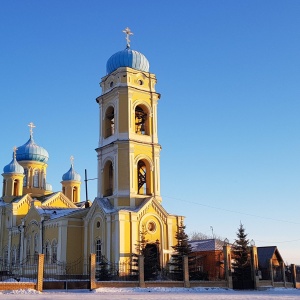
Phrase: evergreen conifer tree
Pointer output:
(182, 248)
(241, 260)
(151, 258)
(104, 273)
(241, 250)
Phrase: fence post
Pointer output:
(294, 275)
(254, 266)
(92, 271)
(186, 275)
(227, 265)
(141, 271)
(271, 272)
(282, 265)
(40, 273)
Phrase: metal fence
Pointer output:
(110, 271)
(129, 271)
(24, 271)
(60, 270)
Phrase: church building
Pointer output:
(34, 219)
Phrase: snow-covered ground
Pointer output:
(152, 293)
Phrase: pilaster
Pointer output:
(108, 237)
(62, 241)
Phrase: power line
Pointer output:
(232, 211)
(290, 241)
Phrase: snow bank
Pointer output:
(161, 290)
(21, 292)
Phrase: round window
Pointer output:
(151, 226)
(111, 84)
(140, 82)
(98, 224)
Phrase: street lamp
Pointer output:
(226, 242)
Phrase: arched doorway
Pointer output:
(151, 261)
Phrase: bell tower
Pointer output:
(128, 151)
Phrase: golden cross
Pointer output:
(31, 125)
(128, 32)
(15, 151)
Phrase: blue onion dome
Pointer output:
(31, 151)
(71, 174)
(13, 167)
(127, 58)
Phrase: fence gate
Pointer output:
(242, 279)
(71, 275)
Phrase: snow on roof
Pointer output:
(56, 212)
(105, 204)
(206, 245)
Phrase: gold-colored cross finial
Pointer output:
(31, 125)
(128, 32)
(15, 151)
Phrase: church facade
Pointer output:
(34, 219)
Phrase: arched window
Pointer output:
(98, 251)
(44, 180)
(18, 254)
(36, 178)
(108, 179)
(74, 196)
(5, 256)
(36, 247)
(109, 122)
(142, 178)
(47, 253)
(14, 256)
(54, 252)
(28, 248)
(25, 180)
(141, 121)
(16, 187)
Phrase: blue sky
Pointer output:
(228, 73)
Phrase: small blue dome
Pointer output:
(13, 167)
(127, 58)
(31, 151)
(71, 175)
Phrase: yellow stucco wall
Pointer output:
(75, 240)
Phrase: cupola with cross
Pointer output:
(26, 174)
(71, 183)
(128, 149)
(13, 175)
